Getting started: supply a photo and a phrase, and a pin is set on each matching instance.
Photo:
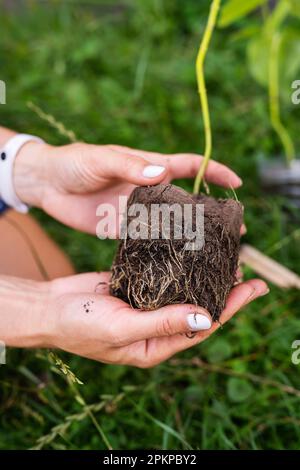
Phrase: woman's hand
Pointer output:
(68, 314)
(104, 328)
(70, 182)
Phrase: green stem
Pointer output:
(214, 9)
(278, 126)
(91, 415)
(99, 429)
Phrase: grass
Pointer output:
(123, 72)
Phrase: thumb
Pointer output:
(130, 168)
(175, 319)
(167, 321)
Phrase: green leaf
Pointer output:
(218, 351)
(239, 390)
(258, 51)
(290, 53)
(165, 427)
(278, 16)
(295, 8)
(236, 9)
(245, 33)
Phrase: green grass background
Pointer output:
(122, 71)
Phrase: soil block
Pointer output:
(149, 274)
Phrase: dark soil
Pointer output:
(149, 274)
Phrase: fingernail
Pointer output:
(265, 292)
(239, 181)
(152, 171)
(198, 322)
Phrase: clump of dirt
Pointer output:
(149, 274)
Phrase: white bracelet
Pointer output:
(7, 159)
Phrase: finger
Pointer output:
(160, 349)
(240, 296)
(126, 166)
(82, 283)
(243, 230)
(166, 321)
(186, 165)
(239, 274)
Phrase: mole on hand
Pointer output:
(87, 306)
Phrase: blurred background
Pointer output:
(123, 72)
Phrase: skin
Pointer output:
(66, 313)
(74, 179)
(131, 337)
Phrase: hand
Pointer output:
(106, 329)
(70, 182)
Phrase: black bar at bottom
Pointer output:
(150, 458)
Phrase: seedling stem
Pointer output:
(274, 98)
(214, 10)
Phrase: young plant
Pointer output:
(150, 273)
(273, 52)
(274, 99)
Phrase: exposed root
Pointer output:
(149, 274)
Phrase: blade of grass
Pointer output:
(162, 425)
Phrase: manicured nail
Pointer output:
(198, 322)
(152, 171)
(265, 292)
(239, 181)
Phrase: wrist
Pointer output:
(24, 318)
(31, 172)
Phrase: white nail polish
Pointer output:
(152, 171)
(198, 322)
